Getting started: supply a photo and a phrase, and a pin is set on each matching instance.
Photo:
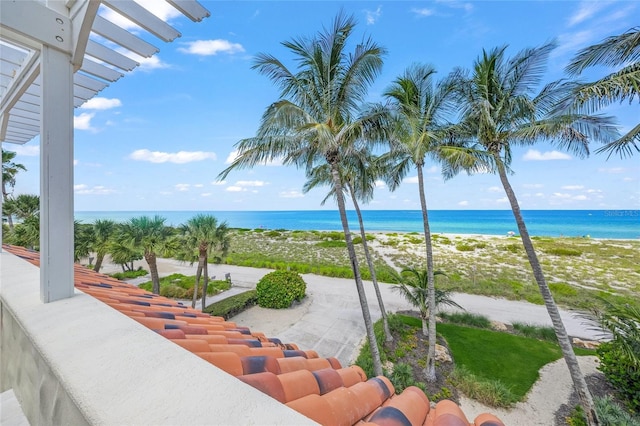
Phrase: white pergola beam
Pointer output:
(44, 25)
(56, 176)
(110, 56)
(124, 38)
(145, 19)
(100, 71)
(191, 9)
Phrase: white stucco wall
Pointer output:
(77, 361)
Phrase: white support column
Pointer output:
(56, 176)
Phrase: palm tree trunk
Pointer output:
(197, 284)
(372, 269)
(99, 259)
(577, 377)
(430, 369)
(425, 325)
(373, 344)
(153, 269)
(205, 283)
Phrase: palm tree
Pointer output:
(617, 51)
(121, 252)
(317, 118)
(83, 238)
(359, 174)
(420, 105)
(498, 104)
(9, 172)
(103, 230)
(414, 286)
(151, 235)
(23, 207)
(208, 237)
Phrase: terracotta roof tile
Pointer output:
(319, 388)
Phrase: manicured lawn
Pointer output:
(513, 360)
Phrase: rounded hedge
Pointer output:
(278, 289)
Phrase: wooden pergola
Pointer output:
(54, 56)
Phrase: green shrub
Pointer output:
(129, 274)
(611, 414)
(331, 244)
(622, 373)
(278, 289)
(513, 248)
(335, 235)
(180, 286)
(535, 331)
(402, 377)
(273, 233)
(233, 305)
(466, 318)
(563, 251)
(465, 247)
(356, 240)
(489, 392)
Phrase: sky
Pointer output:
(157, 138)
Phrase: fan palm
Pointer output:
(83, 238)
(151, 236)
(317, 119)
(414, 286)
(103, 230)
(498, 102)
(359, 173)
(624, 84)
(208, 237)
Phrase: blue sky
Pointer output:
(157, 138)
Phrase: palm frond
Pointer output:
(612, 51)
(624, 146)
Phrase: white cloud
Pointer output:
(380, 184)
(198, 185)
(235, 189)
(146, 64)
(502, 200)
(75, 162)
(594, 191)
(219, 182)
(628, 179)
(206, 194)
(585, 11)
(612, 170)
(182, 187)
(423, 12)
(561, 195)
(82, 189)
(580, 197)
(101, 103)
(534, 155)
(180, 157)
(573, 187)
(412, 179)
(432, 169)
(244, 183)
(373, 15)
(26, 150)
(463, 203)
(231, 157)
(532, 185)
(291, 194)
(494, 189)
(83, 121)
(211, 47)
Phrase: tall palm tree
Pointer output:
(22, 207)
(498, 101)
(103, 230)
(151, 235)
(624, 84)
(420, 105)
(83, 238)
(9, 172)
(317, 118)
(359, 173)
(414, 286)
(208, 237)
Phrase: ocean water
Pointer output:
(616, 224)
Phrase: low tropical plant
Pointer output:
(232, 305)
(279, 289)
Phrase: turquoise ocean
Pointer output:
(616, 224)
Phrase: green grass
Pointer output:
(535, 332)
(492, 355)
(129, 274)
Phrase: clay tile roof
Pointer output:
(319, 388)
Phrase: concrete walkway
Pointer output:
(329, 320)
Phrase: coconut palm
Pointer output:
(414, 286)
(26, 233)
(317, 119)
(9, 172)
(359, 173)
(151, 236)
(83, 238)
(208, 237)
(420, 105)
(103, 230)
(498, 101)
(624, 84)
(121, 252)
